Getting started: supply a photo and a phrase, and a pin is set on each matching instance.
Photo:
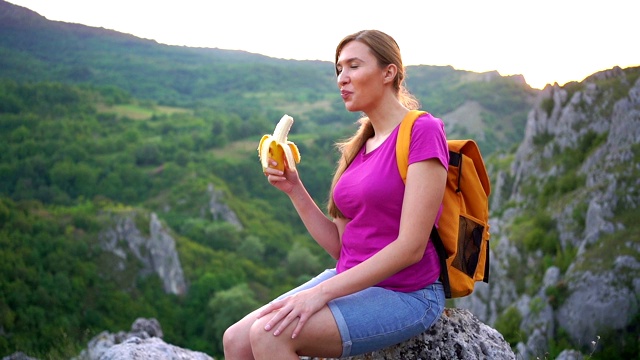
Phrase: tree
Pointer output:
(227, 307)
(252, 248)
(300, 261)
(74, 179)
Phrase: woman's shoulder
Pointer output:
(428, 118)
(427, 122)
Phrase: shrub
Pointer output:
(557, 294)
(508, 324)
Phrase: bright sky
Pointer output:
(547, 41)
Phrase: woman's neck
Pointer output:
(384, 122)
(386, 119)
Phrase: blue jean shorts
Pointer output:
(375, 318)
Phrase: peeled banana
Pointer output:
(277, 147)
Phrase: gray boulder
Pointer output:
(150, 349)
(143, 342)
(18, 356)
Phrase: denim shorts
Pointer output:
(375, 318)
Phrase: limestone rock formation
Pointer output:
(219, 209)
(156, 252)
(598, 121)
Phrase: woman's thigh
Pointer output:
(375, 318)
(318, 338)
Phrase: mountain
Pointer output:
(130, 187)
(34, 49)
(566, 240)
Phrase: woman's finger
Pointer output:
(269, 309)
(277, 317)
(302, 319)
(286, 321)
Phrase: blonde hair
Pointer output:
(386, 51)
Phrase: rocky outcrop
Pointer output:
(150, 349)
(143, 342)
(18, 356)
(458, 335)
(220, 210)
(156, 252)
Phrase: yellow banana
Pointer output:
(277, 147)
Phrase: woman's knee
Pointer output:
(262, 340)
(257, 331)
(236, 339)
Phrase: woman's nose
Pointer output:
(342, 78)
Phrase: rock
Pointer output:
(590, 311)
(164, 257)
(146, 328)
(458, 335)
(18, 356)
(599, 121)
(220, 210)
(156, 253)
(570, 355)
(150, 349)
(143, 342)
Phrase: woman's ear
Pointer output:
(390, 73)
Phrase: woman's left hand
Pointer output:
(301, 305)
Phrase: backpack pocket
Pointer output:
(469, 245)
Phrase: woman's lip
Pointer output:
(345, 94)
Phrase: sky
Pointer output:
(546, 41)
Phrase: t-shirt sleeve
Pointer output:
(428, 141)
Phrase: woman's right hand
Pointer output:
(285, 180)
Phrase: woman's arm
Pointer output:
(325, 232)
(422, 199)
(423, 195)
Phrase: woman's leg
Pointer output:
(319, 337)
(236, 338)
(247, 339)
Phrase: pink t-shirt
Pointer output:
(370, 194)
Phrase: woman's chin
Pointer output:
(350, 107)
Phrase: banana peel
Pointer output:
(278, 147)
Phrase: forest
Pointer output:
(71, 154)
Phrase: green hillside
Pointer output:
(95, 124)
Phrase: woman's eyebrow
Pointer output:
(355, 58)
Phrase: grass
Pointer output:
(139, 112)
(239, 150)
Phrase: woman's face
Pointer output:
(360, 77)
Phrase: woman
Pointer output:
(385, 287)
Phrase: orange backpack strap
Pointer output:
(402, 157)
(403, 141)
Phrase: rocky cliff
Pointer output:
(576, 177)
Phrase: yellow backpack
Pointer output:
(462, 237)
